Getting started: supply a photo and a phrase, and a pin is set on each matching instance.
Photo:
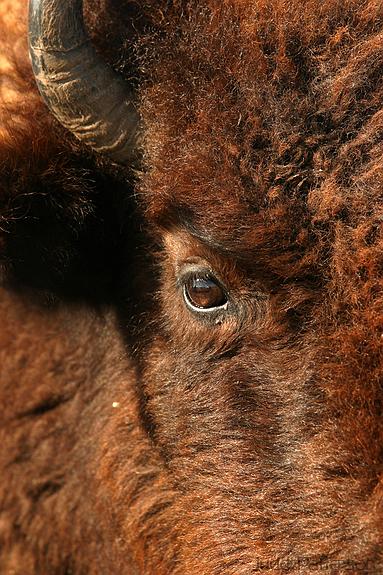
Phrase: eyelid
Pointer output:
(190, 268)
(193, 270)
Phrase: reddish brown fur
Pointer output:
(137, 438)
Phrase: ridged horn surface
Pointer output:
(83, 92)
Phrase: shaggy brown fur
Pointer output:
(137, 438)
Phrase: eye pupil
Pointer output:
(204, 293)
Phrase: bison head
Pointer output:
(247, 435)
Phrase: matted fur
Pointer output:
(138, 438)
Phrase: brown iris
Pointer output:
(204, 293)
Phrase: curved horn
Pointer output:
(82, 91)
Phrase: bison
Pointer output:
(191, 258)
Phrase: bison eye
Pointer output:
(203, 293)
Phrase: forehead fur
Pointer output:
(263, 126)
